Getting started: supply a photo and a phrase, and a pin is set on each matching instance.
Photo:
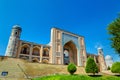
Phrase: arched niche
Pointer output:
(70, 53)
(36, 51)
(45, 52)
(25, 49)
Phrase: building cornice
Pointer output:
(68, 32)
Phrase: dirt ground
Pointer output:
(19, 69)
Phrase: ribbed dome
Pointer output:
(108, 57)
(17, 27)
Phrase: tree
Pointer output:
(108, 68)
(91, 66)
(114, 31)
(71, 68)
(115, 67)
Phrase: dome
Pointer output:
(108, 57)
(17, 27)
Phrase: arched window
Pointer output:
(25, 49)
(15, 33)
(36, 51)
(46, 52)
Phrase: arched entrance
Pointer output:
(70, 53)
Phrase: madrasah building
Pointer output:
(64, 48)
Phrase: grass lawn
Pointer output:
(77, 77)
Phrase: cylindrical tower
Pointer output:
(13, 41)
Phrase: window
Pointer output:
(46, 53)
(36, 51)
(25, 50)
(16, 33)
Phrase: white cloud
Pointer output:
(98, 45)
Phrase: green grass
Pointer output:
(77, 77)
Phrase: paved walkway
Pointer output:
(108, 72)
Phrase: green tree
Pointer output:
(91, 66)
(108, 68)
(115, 67)
(114, 30)
(71, 68)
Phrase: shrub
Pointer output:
(91, 66)
(115, 67)
(71, 68)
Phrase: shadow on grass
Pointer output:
(95, 75)
(75, 74)
(117, 75)
(91, 75)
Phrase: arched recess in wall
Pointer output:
(25, 49)
(36, 51)
(45, 52)
(70, 53)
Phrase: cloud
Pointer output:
(98, 45)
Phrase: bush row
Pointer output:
(91, 67)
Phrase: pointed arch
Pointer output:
(25, 49)
(36, 51)
(70, 53)
(45, 52)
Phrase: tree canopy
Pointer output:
(91, 66)
(115, 67)
(114, 31)
(71, 68)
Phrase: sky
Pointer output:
(89, 18)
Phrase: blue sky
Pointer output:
(88, 18)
